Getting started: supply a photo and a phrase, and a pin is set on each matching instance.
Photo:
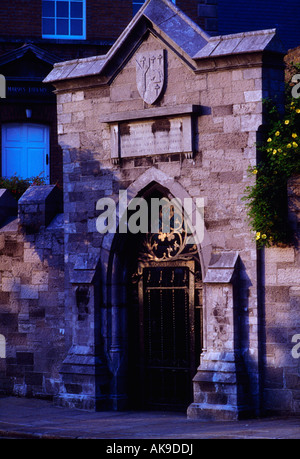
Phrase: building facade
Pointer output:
(104, 307)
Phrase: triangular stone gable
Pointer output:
(166, 74)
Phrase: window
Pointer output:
(63, 19)
(138, 3)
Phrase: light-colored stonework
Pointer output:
(195, 140)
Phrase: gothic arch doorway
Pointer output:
(165, 317)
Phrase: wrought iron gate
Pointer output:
(170, 339)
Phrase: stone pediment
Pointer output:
(24, 69)
(29, 61)
(19, 53)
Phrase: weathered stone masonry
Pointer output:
(212, 93)
(32, 292)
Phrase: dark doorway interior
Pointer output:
(163, 337)
(164, 333)
(169, 334)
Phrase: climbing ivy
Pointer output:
(267, 199)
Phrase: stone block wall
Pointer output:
(282, 305)
(32, 320)
(281, 318)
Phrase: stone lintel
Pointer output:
(184, 109)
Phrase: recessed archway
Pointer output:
(126, 303)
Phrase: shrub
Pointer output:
(280, 159)
(18, 186)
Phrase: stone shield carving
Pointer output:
(150, 74)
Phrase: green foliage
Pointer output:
(280, 159)
(18, 186)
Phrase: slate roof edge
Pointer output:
(243, 34)
(216, 42)
(177, 11)
(71, 65)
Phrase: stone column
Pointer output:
(221, 381)
(84, 373)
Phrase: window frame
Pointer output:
(55, 17)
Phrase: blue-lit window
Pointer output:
(136, 5)
(63, 19)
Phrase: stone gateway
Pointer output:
(149, 320)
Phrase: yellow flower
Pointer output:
(274, 152)
(295, 145)
(269, 139)
(257, 235)
(298, 110)
(287, 122)
(277, 133)
(289, 145)
(264, 236)
(294, 135)
(279, 150)
(254, 171)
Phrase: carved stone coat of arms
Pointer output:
(150, 74)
